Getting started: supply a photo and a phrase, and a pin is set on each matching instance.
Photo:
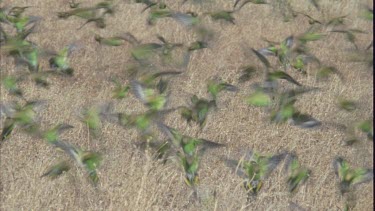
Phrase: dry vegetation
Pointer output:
(129, 177)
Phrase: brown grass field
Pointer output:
(129, 179)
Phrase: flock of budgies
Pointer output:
(155, 64)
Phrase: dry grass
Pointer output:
(129, 179)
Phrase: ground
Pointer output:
(129, 178)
